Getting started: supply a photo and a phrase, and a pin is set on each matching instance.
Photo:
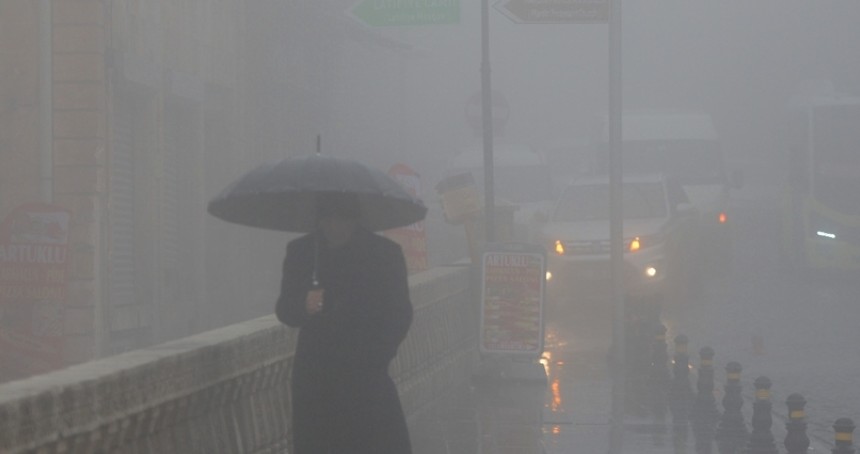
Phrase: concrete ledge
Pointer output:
(225, 390)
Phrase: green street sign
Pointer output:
(386, 13)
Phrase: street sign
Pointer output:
(512, 296)
(386, 13)
(555, 11)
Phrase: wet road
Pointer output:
(801, 332)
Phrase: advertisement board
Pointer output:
(412, 238)
(33, 289)
(512, 297)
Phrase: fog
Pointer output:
(402, 94)
(739, 61)
(193, 97)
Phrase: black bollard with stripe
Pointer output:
(796, 440)
(680, 394)
(704, 415)
(732, 432)
(761, 440)
(844, 428)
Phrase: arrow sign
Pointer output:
(555, 11)
(382, 13)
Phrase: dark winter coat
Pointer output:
(343, 399)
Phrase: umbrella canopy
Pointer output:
(283, 196)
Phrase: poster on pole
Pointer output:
(33, 289)
(512, 299)
(411, 238)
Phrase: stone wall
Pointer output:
(224, 390)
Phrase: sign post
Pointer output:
(511, 341)
(616, 233)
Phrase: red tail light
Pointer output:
(722, 218)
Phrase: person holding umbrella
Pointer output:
(353, 311)
(345, 288)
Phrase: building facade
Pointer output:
(119, 120)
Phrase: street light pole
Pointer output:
(616, 230)
(487, 117)
(46, 107)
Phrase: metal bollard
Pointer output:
(844, 428)
(732, 432)
(680, 394)
(761, 440)
(796, 440)
(704, 415)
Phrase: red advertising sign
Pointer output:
(33, 289)
(512, 294)
(411, 238)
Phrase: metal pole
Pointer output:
(616, 230)
(46, 124)
(487, 117)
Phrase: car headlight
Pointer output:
(641, 242)
(634, 245)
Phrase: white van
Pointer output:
(521, 180)
(683, 145)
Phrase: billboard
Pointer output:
(33, 289)
(512, 296)
(411, 238)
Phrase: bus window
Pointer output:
(837, 161)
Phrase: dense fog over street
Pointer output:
(121, 120)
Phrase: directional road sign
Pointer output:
(555, 11)
(382, 13)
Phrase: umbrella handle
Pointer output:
(314, 280)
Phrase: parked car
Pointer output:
(660, 231)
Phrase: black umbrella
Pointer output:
(283, 196)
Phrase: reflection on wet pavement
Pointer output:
(567, 413)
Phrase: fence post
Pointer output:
(796, 440)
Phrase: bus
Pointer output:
(821, 206)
